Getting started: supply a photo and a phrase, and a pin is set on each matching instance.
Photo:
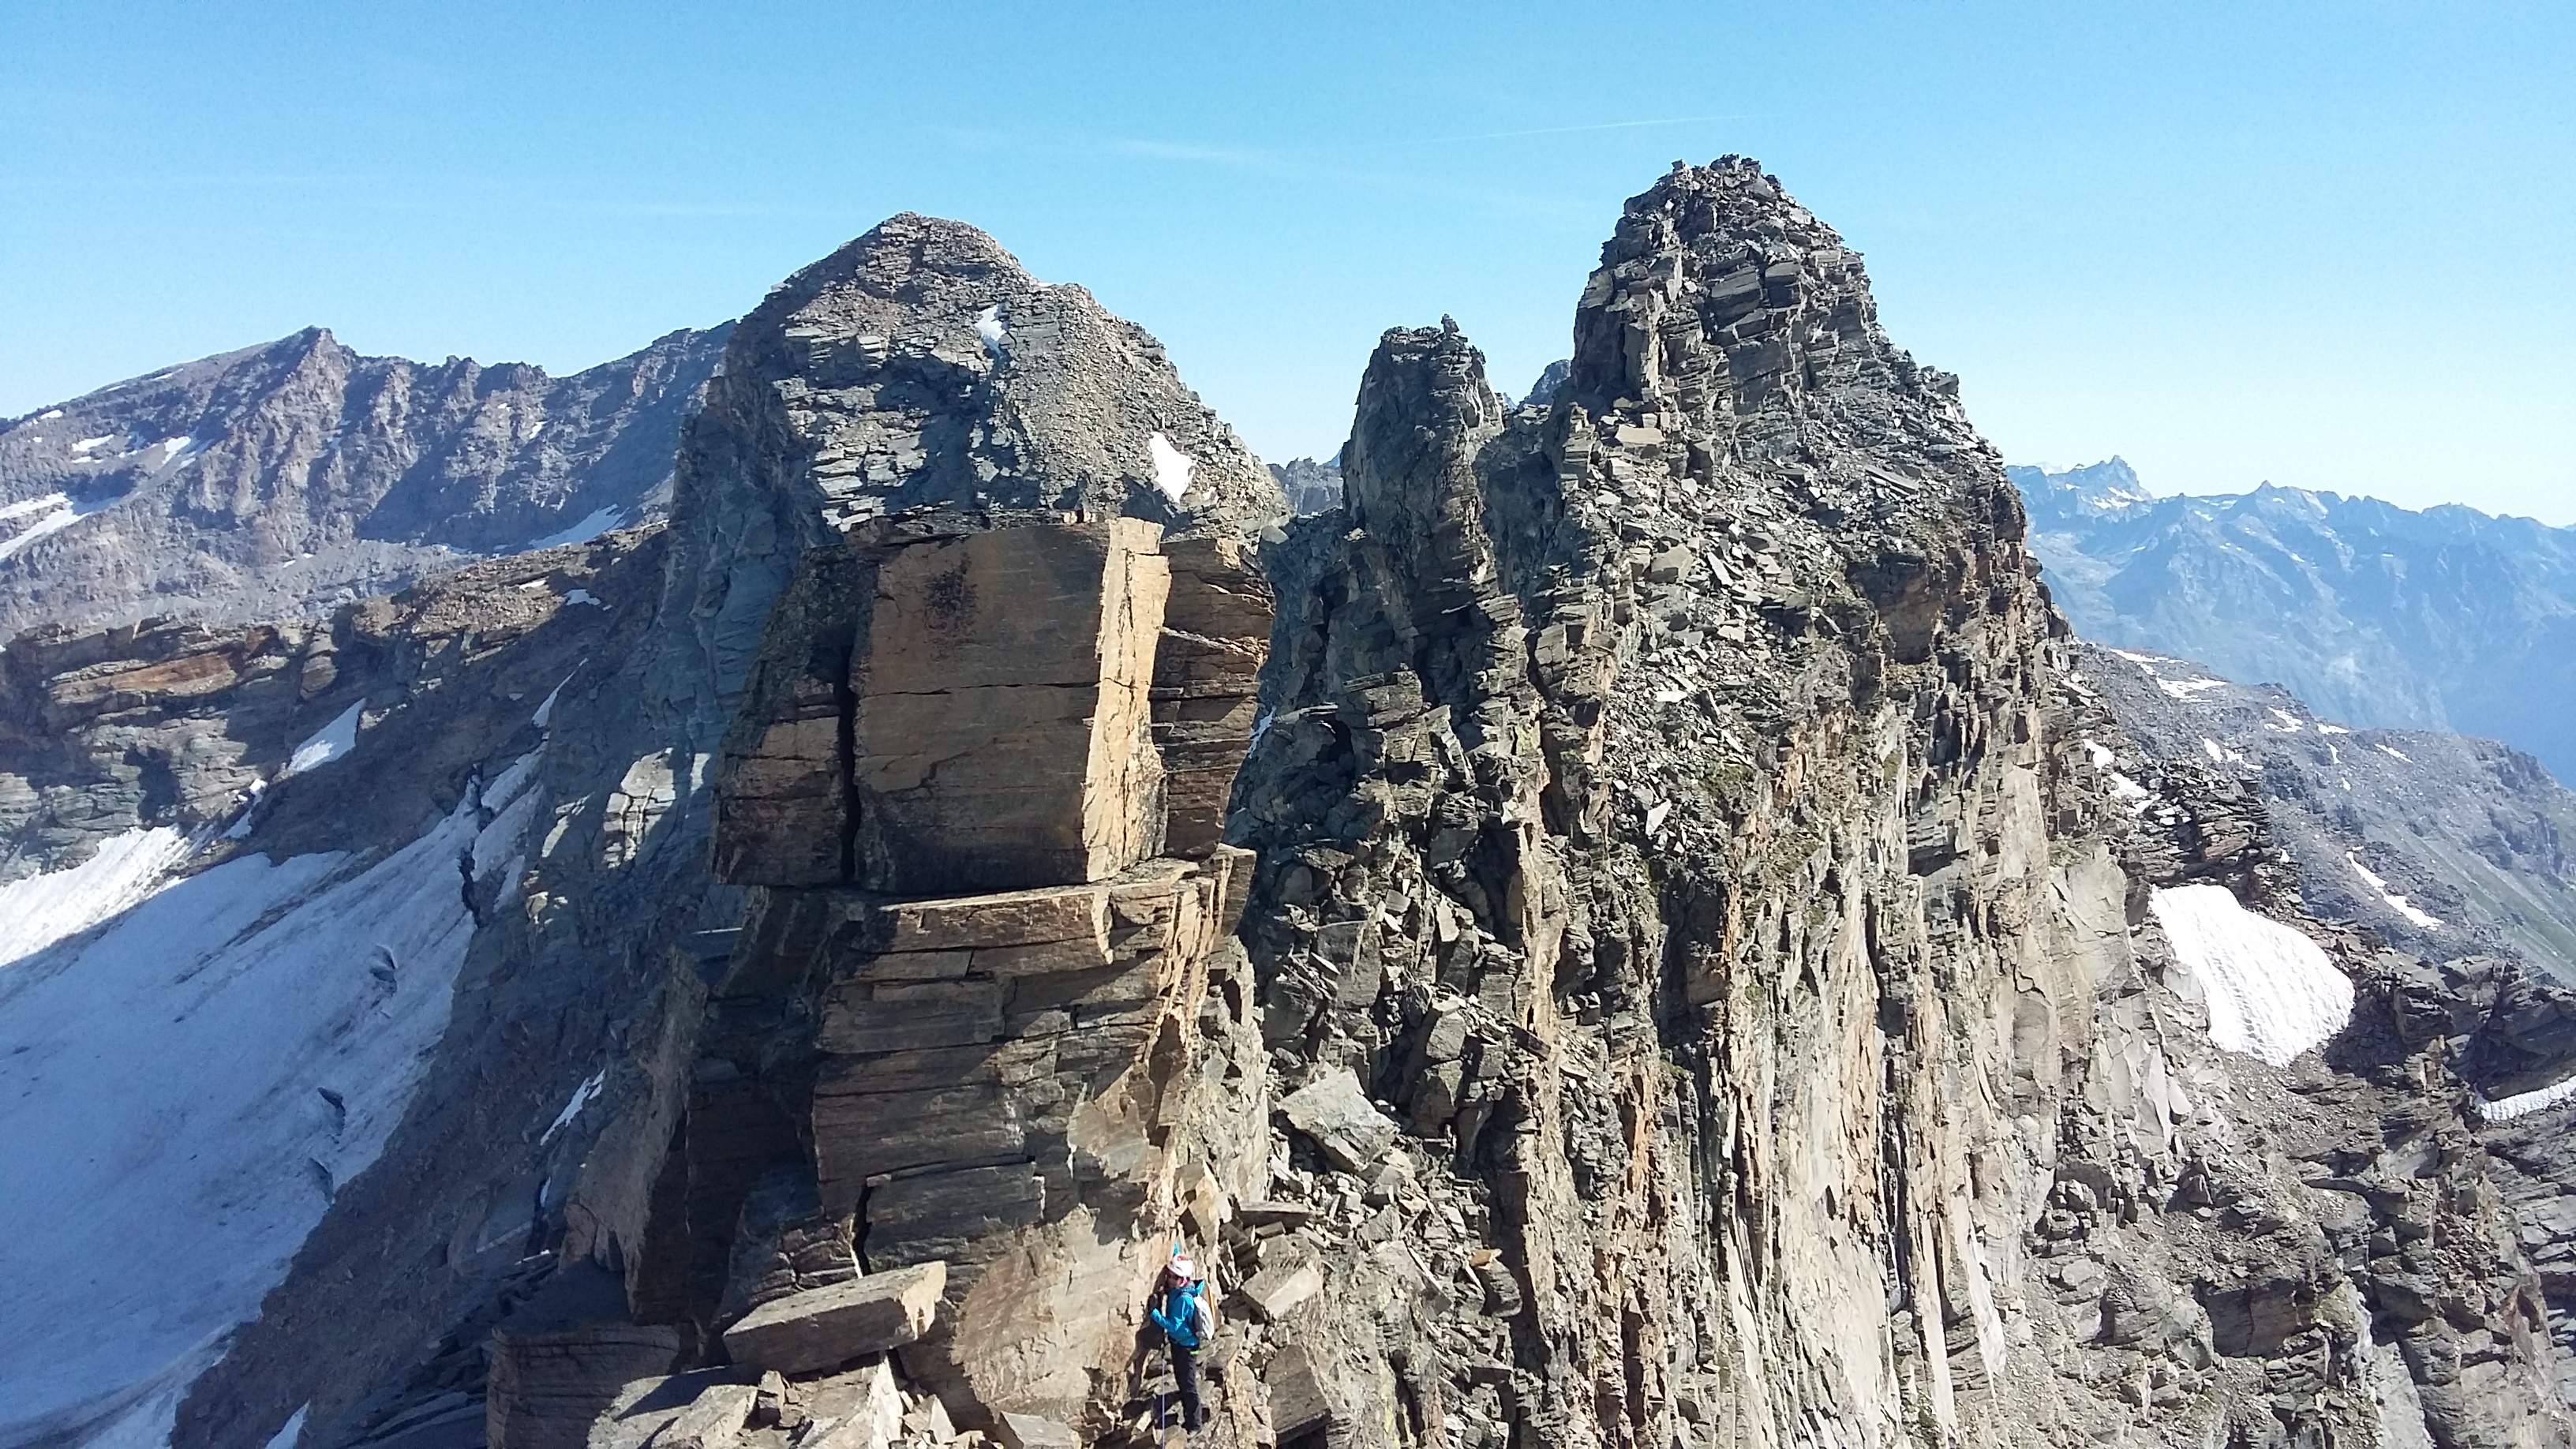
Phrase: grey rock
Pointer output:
(1340, 1119)
(311, 476)
(822, 1327)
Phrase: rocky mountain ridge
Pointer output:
(284, 480)
(1617, 935)
(2445, 619)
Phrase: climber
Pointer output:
(1179, 1307)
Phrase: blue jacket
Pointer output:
(1182, 1313)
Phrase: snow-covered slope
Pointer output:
(250, 866)
(183, 1087)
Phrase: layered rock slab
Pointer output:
(825, 1327)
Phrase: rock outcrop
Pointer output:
(799, 1074)
(279, 482)
(1676, 811)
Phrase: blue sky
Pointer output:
(2322, 244)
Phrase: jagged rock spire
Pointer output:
(1721, 299)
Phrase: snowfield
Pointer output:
(2271, 991)
(189, 1068)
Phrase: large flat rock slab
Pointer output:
(1341, 1119)
(806, 1332)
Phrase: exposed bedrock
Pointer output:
(1614, 936)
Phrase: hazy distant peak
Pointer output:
(2111, 483)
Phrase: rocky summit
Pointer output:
(1617, 931)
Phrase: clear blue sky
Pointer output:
(2324, 244)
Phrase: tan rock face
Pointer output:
(1000, 737)
(1207, 683)
(974, 711)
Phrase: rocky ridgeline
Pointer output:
(1676, 815)
(1615, 935)
(279, 482)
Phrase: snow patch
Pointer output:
(2392, 752)
(328, 743)
(48, 415)
(581, 1097)
(70, 514)
(1172, 467)
(2289, 723)
(2138, 796)
(171, 450)
(2523, 1104)
(87, 445)
(988, 325)
(591, 527)
(2272, 993)
(2184, 689)
(546, 707)
(2396, 902)
(42, 909)
(1655, 815)
(285, 1438)
(2331, 729)
(2103, 759)
(582, 596)
(25, 506)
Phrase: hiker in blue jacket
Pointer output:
(1179, 1307)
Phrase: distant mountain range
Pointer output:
(286, 479)
(2445, 619)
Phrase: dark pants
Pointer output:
(1185, 1377)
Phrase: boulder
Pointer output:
(1276, 1291)
(860, 1408)
(1338, 1116)
(715, 1421)
(815, 1330)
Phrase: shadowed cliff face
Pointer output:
(1672, 971)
